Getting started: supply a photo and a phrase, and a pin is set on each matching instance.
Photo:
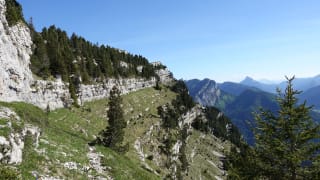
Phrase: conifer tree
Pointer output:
(286, 143)
(112, 136)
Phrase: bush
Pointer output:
(8, 173)
(14, 12)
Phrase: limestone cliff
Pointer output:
(16, 79)
(15, 43)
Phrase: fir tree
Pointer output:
(112, 136)
(287, 143)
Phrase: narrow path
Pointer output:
(95, 163)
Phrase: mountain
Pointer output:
(234, 89)
(248, 81)
(241, 109)
(239, 101)
(54, 91)
(207, 93)
(302, 84)
(244, 100)
(312, 97)
(204, 91)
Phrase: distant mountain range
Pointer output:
(302, 84)
(239, 100)
(312, 96)
(250, 82)
(310, 88)
(236, 100)
(235, 89)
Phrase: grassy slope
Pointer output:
(203, 152)
(65, 134)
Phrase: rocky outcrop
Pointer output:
(190, 116)
(98, 91)
(155, 136)
(166, 77)
(12, 145)
(95, 163)
(51, 94)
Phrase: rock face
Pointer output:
(11, 146)
(98, 91)
(205, 92)
(17, 82)
(52, 94)
(164, 74)
(15, 43)
(16, 79)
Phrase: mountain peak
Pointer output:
(209, 80)
(247, 79)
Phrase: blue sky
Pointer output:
(217, 39)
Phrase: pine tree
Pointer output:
(286, 144)
(112, 136)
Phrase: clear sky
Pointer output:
(224, 40)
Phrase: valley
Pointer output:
(240, 100)
(74, 109)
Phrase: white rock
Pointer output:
(15, 43)
(124, 64)
(71, 165)
(7, 113)
(95, 160)
(47, 177)
(99, 91)
(17, 145)
(138, 147)
(3, 141)
(165, 75)
(139, 68)
(34, 131)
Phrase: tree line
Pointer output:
(77, 60)
(55, 53)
